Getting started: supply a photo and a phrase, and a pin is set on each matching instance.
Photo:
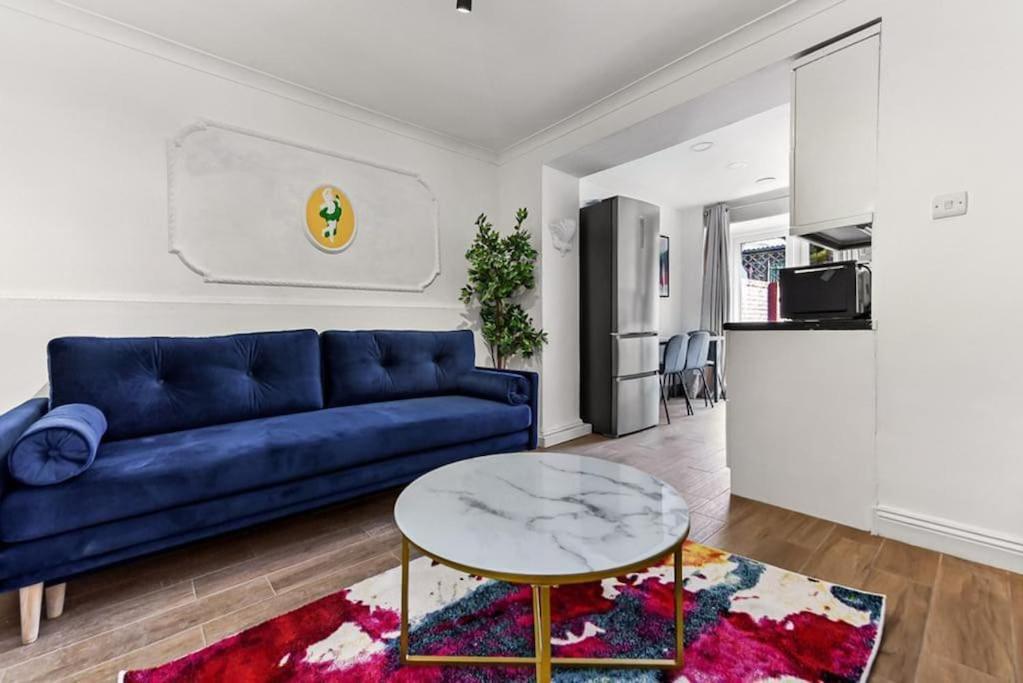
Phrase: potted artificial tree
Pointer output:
(501, 270)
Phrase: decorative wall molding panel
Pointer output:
(237, 214)
(114, 298)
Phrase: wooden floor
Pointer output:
(948, 619)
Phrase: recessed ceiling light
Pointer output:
(463, 6)
(766, 179)
(701, 146)
(736, 165)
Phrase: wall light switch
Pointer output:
(948, 205)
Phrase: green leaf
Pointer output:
(502, 269)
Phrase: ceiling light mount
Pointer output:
(701, 146)
(463, 6)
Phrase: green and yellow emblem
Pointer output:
(329, 219)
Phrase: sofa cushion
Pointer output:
(154, 385)
(58, 446)
(363, 367)
(82, 550)
(141, 476)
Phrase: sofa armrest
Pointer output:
(533, 380)
(503, 387)
(13, 424)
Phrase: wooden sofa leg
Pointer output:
(31, 600)
(55, 600)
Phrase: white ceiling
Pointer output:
(491, 78)
(752, 94)
(678, 176)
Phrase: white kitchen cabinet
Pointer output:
(834, 134)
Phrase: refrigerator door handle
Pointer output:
(641, 375)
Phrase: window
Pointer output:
(760, 249)
(760, 261)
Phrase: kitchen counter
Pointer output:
(800, 426)
(860, 324)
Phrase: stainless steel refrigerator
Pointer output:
(618, 259)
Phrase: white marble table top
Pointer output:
(542, 515)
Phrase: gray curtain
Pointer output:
(716, 275)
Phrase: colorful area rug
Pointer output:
(744, 621)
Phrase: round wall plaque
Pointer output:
(329, 219)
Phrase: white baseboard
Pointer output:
(564, 433)
(962, 540)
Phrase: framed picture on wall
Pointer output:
(664, 278)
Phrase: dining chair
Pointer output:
(673, 368)
(715, 363)
(698, 360)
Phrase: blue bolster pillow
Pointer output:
(58, 446)
(496, 386)
(13, 424)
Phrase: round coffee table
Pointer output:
(542, 519)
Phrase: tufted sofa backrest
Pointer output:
(366, 367)
(154, 385)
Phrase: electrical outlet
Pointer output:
(948, 205)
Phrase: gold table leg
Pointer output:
(543, 665)
(466, 660)
(680, 612)
(677, 662)
(403, 643)
(538, 632)
(542, 659)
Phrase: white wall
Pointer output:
(680, 311)
(559, 401)
(950, 330)
(778, 37)
(672, 312)
(949, 469)
(83, 197)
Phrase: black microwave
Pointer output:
(825, 292)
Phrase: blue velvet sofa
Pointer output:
(207, 435)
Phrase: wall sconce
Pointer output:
(562, 233)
